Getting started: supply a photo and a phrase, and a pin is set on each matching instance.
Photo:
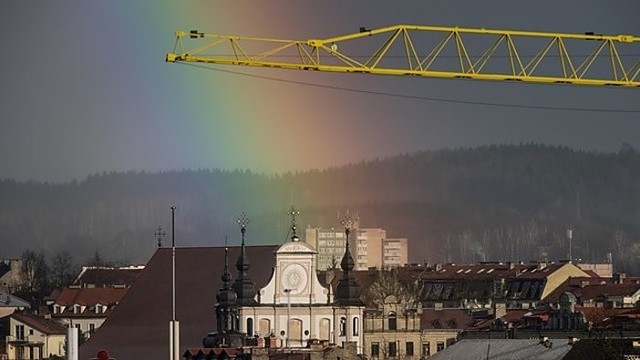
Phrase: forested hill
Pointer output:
(489, 203)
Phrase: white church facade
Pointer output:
(294, 306)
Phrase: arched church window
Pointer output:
(393, 324)
(355, 326)
(249, 327)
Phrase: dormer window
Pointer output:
(392, 321)
(77, 309)
(56, 309)
(99, 309)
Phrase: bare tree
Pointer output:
(34, 269)
(62, 269)
(387, 283)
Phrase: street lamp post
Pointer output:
(174, 325)
(288, 292)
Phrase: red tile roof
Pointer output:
(45, 326)
(446, 319)
(90, 296)
(139, 327)
(592, 289)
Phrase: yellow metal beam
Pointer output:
(434, 51)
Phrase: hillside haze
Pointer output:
(511, 202)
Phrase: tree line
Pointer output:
(41, 275)
(502, 202)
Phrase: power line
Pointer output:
(416, 97)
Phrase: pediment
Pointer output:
(296, 247)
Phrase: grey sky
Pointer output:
(84, 89)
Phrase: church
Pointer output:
(293, 307)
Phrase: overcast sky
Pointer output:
(85, 88)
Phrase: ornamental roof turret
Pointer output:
(348, 290)
(244, 287)
(226, 333)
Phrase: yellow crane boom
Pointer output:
(434, 51)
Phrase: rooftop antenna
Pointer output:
(570, 237)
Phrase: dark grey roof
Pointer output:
(505, 349)
(138, 328)
(8, 300)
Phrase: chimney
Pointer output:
(618, 278)
(499, 308)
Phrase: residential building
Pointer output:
(10, 275)
(604, 270)
(86, 308)
(10, 304)
(392, 330)
(442, 327)
(476, 286)
(33, 337)
(372, 248)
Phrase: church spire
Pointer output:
(244, 286)
(348, 290)
(227, 306)
(226, 314)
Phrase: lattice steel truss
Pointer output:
(434, 51)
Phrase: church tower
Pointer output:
(348, 290)
(244, 287)
(227, 334)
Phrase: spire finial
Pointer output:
(226, 277)
(243, 221)
(159, 235)
(293, 212)
(349, 223)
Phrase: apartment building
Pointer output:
(371, 247)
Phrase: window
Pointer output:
(440, 346)
(409, 348)
(249, 326)
(77, 309)
(99, 309)
(375, 350)
(92, 328)
(19, 332)
(30, 331)
(343, 325)
(355, 326)
(426, 349)
(392, 321)
(393, 350)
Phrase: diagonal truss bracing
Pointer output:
(433, 51)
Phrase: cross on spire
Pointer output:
(293, 212)
(349, 223)
(243, 221)
(159, 234)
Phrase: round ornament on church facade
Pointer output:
(294, 277)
